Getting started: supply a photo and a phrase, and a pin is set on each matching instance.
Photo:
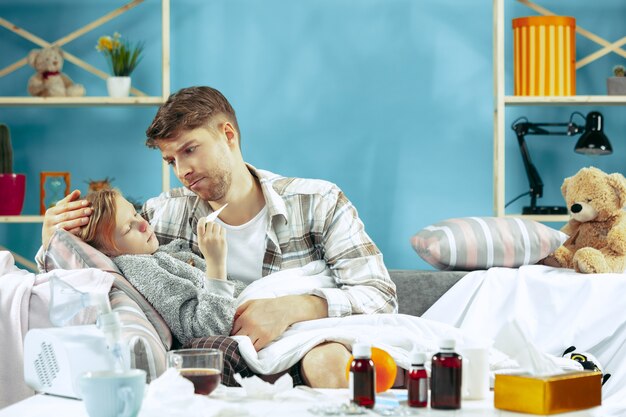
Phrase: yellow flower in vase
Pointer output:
(105, 43)
(122, 56)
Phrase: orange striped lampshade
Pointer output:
(544, 56)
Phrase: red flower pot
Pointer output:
(12, 192)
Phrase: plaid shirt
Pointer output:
(308, 220)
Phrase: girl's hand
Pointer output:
(212, 243)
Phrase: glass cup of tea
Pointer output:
(203, 367)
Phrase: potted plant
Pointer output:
(123, 57)
(616, 85)
(12, 186)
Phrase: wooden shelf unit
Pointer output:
(138, 100)
(24, 218)
(79, 101)
(564, 100)
(501, 101)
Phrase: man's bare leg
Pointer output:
(324, 366)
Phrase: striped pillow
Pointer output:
(146, 350)
(67, 251)
(472, 243)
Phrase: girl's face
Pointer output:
(132, 234)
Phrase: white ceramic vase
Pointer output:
(118, 86)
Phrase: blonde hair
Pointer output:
(100, 229)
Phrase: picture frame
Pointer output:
(53, 187)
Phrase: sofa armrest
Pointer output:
(418, 290)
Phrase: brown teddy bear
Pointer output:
(49, 81)
(597, 226)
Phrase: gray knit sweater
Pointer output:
(173, 281)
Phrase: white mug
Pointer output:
(475, 373)
(113, 393)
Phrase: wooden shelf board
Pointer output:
(542, 217)
(81, 101)
(565, 100)
(21, 219)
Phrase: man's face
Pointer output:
(132, 234)
(201, 160)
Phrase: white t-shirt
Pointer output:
(246, 247)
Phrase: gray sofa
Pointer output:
(417, 290)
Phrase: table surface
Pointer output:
(303, 404)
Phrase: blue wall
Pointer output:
(391, 100)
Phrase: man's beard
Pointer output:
(217, 185)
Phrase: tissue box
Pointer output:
(548, 394)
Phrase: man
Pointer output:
(272, 223)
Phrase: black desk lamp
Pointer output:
(592, 142)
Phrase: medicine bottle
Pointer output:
(417, 381)
(362, 376)
(445, 377)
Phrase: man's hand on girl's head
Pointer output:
(69, 214)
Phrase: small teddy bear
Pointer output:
(597, 225)
(49, 81)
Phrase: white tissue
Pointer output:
(513, 341)
(170, 389)
(173, 395)
(256, 388)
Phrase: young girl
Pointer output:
(193, 295)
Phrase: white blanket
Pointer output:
(557, 308)
(294, 281)
(24, 301)
(395, 333)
